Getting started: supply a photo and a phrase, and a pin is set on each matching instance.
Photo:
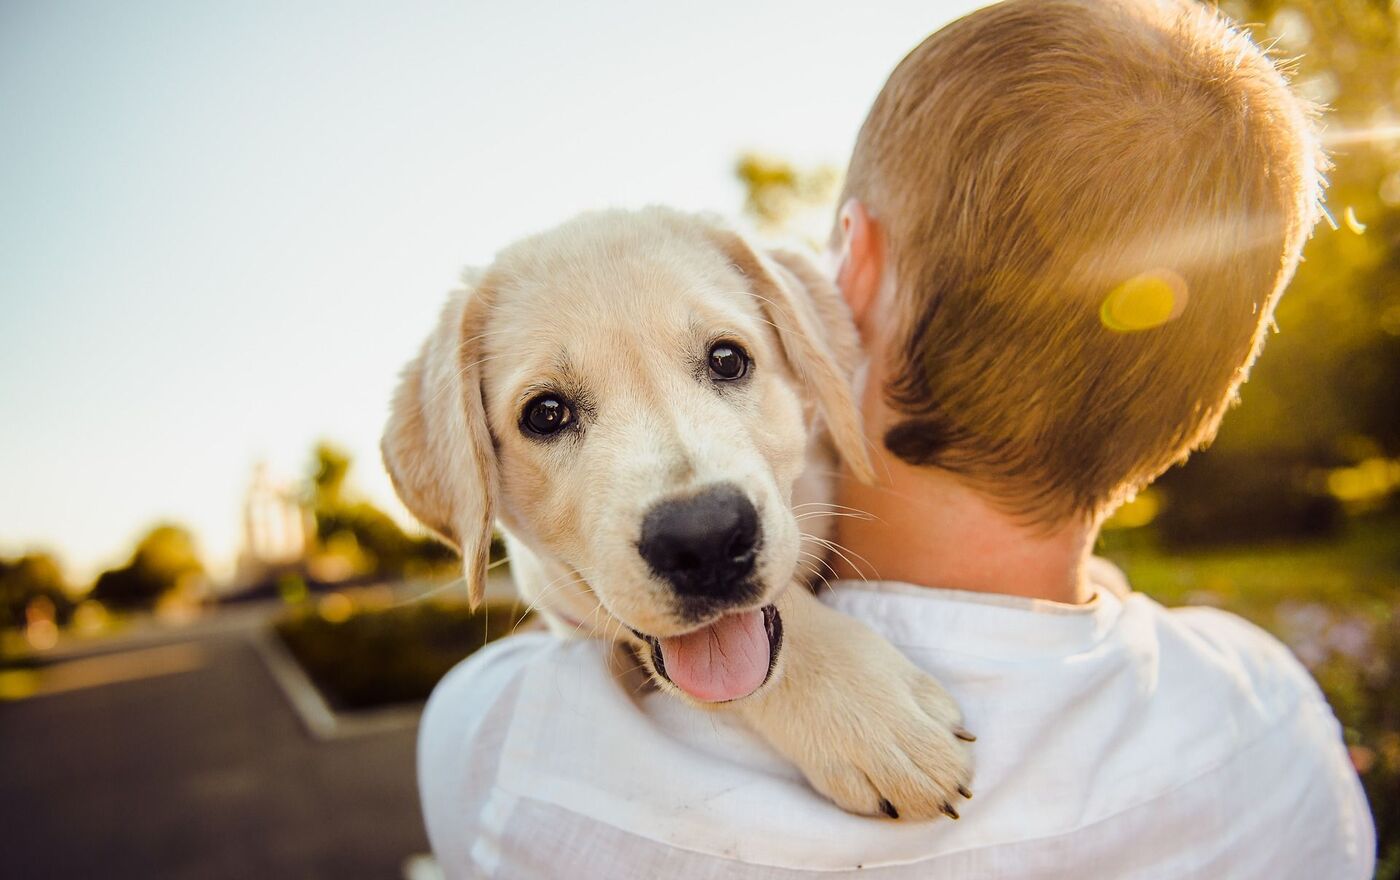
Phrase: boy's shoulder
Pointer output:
(1244, 654)
(490, 680)
(1162, 725)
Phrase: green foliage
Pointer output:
(391, 655)
(780, 196)
(31, 578)
(330, 466)
(367, 537)
(165, 560)
(1271, 497)
(1328, 387)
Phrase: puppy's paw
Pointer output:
(870, 730)
(892, 748)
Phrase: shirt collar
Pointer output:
(985, 624)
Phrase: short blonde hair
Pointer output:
(1038, 168)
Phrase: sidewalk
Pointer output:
(197, 768)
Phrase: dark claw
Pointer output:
(888, 809)
(964, 734)
(949, 811)
(963, 790)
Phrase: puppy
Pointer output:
(646, 405)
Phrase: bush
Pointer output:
(1221, 498)
(35, 578)
(165, 561)
(373, 657)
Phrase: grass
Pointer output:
(1360, 572)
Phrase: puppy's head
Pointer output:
(632, 395)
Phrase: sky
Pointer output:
(225, 226)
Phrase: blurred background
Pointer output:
(225, 227)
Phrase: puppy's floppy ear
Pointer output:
(817, 335)
(437, 447)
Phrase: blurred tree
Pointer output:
(166, 560)
(365, 537)
(35, 576)
(1329, 387)
(330, 465)
(783, 198)
(1326, 393)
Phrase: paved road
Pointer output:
(201, 773)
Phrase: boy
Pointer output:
(1065, 228)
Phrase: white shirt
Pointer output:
(1115, 739)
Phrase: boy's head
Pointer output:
(1089, 208)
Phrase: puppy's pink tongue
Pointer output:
(724, 661)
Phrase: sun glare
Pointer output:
(1144, 301)
(1376, 134)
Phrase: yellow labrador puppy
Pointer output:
(641, 401)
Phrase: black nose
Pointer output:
(705, 545)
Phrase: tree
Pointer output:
(1328, 386)
(370, 535)
(35, 576)
(783, 198)
(165, 559)
(1325, 395)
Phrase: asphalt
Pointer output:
(200, 769)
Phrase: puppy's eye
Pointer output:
(547, 414)
(728, 361)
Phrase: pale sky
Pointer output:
(224, 226)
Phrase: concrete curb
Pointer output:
(320, 720)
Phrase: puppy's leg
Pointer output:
(868, 729)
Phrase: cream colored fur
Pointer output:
(616, 309)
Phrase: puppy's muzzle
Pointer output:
(705, 546)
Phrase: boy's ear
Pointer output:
(815, 331)
(437, 447)
(861, 263)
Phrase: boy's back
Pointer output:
(1122, 739)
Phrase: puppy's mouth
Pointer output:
(726, 660)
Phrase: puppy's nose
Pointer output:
(704, 545)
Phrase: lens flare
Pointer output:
(1144, 301)
(1353, 223)
(1377, 134)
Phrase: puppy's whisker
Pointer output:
(591, 621)
(827, 504)
(814, 564)
(538, 603)
(449, 585)
(820, 560)
(831, 505)
(573, 576)
(430, 593)
(842, 551)
(460, 373)
(832, 513)
(776, 308)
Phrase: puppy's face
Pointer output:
(648, 425)
(632, 395)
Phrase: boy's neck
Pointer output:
(927, 528)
